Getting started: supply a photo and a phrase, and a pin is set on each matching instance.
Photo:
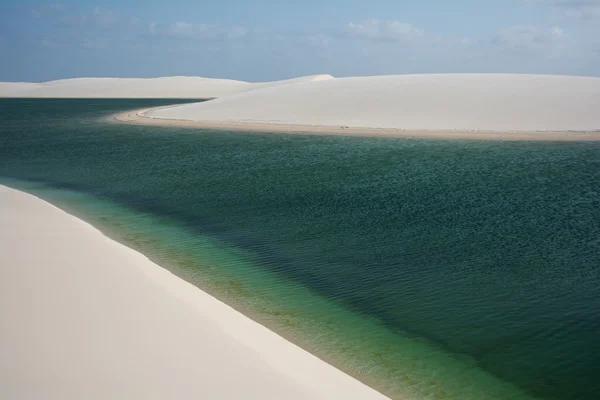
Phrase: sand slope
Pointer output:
(494, 102)
(168, 87)
(84, 317)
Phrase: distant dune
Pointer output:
(169, 87)
(467, 102)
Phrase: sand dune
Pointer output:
(84, 317)
(172, 87)
(468, 102)
(169, 87)
(7, 88)
(435, 102)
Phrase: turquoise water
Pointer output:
(429, 269)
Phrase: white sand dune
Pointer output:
(469, 102)
(172, 87)
(433, 103)
(84, 317)
(168, 87)
(7, 88)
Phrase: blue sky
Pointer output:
(268, 39)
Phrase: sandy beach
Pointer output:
(86, 317)
(450, 106)
(140, 117)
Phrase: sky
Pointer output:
(264, 40)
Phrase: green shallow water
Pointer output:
(430, 269)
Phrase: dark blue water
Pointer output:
(431, 269)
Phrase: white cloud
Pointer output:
(371, 46)
(181, 29)
(186, 30)
(57, 6)
(557, 33)
(46, 42)
(237, 32)
(95, 43)
(529, 37)
(47, 10)
(571, 8)
(105, 18)
(386, 30)
(318, 40)
(60, 14)
(134, 21)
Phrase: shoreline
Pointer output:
(292, 365)
(335, 359)
(231, 301)
(139, 117)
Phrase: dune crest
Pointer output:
(184, 87)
